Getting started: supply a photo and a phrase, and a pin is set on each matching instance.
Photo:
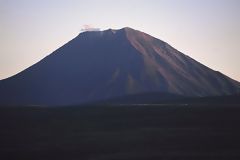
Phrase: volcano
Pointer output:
(100, 65)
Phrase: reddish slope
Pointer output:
(183, 74)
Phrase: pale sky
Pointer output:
(206, 30)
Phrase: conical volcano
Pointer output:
(99, 65)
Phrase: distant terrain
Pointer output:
(170, 132)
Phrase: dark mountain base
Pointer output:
(233, 100)
(177, 132)
(143, 98)
(166, 98)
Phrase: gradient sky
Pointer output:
(206, 30)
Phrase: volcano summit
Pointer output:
(99, 65)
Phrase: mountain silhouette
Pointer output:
(98, 65)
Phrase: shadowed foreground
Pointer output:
(120, 133)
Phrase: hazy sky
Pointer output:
(206, 30)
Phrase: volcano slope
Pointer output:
(99, 65)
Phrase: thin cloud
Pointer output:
(87, 27)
